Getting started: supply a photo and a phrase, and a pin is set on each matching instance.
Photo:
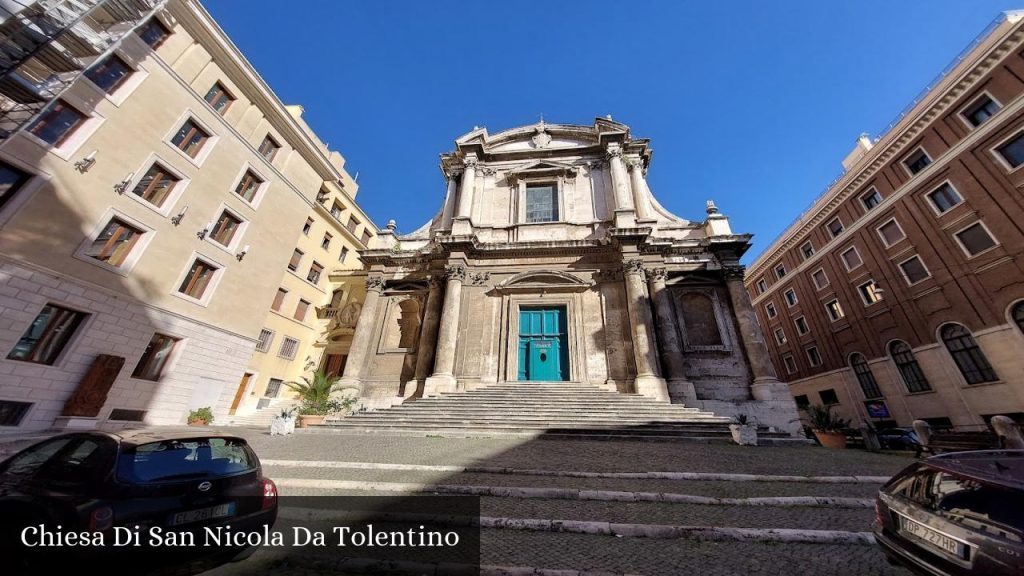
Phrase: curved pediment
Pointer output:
(543, 281)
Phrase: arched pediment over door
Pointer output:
(543, 281)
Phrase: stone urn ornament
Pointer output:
(744, 430)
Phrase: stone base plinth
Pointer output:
(769, 389)
(779, 414)
(438, 384)
(682, 392)
(653, 387)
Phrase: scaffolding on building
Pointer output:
(45, 45)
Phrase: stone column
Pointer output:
(450, 199)
(428, 334)
(462, 223)
(766, 385)
(668, 338)
(443, 379)
(636, 180)
(624, 215)
(648, 379)
(364, 334)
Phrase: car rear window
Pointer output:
(170, 460)
(984, 507)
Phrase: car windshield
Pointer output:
(185, 460)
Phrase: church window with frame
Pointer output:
(542, 202)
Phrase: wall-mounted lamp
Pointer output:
(206, 230)
(176, 220)
(123, 185)
(84, 164)
(240, 255)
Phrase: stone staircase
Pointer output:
(547, 410)
(261, 417)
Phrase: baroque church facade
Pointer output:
(550, 260)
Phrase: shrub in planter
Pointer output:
(200, 416)
(315, 401)
(744, 430)
(827, 427)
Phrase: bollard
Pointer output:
(923, 431)
(1009, 433)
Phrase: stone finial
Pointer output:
(712, 210)
(392, 225)
(608, 116)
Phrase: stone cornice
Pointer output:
(893, 144)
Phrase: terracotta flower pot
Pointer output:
(307, 420)
(831, 439)
(198, 423)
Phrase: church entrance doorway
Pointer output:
(543, 349)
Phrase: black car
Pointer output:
(77, 495)
(956, 514)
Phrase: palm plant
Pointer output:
(822, 418)
(315, 394)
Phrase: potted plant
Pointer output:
(744, 430)
(827, 427)
(200, 416)
(315, 402)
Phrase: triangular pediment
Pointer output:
(543, 166)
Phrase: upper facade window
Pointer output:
(807, 250)
(944, 198)
(835, 310)
(198, 279)
(835, 227)
(790, 296)
(48, 335)
(980, 110)
(154, 33)
(870, 199)
(224, 228)
(155, 185)
(1013, 150)
(770, 310)
(268, 148)
(541, 203)
(780, 271)
(190, 138)
(917, 161)
(293, 264)
(762, 286)
(11, 181)
(975, 239)
(366, 237)
(154, 359)
(248, 186)
(218, 97)
(58, 121)
(109, 73)
(820, 278)
(114, 243)
(851, 258)
(891, 233)
(914, 270)
(870, 293)
(315, 270)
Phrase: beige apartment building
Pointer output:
(154, 190)
(899, 295)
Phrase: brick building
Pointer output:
(899, 294)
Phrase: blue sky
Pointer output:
(752, 104)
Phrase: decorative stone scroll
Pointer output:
(479, 278)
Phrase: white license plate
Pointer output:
(221, 511)
(934, 538)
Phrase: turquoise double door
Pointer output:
(543, 352)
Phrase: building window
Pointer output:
(906, 364)
(155, 185)
(917, 161)
(790, 297)
(835, 311)
(770, 310)
(219, 98)
(914, 270)
(790, 364)
(869, 292)
(12, 413)
(366, 237)
(975, 239)
(780, 336)
(813, 356)
(11, 181)
(300, 310)
(541, 203)
(190, 138)
(336, 212)
(293, 265)
(891, 233)
(802, 401)
(57, 121)
(807, 250)
(154, 33)
(109, 74)
(835, 227)
(801, 325)
(268, 148)
(1018, 315)
(780, 271)
(344, 254)
(114, 242)
(314, 272)
(225, 227)
(279, 299)
(944, 198)
(820, 278)
(969, 358)
(353, 223)
(762, 286)
(980, 110)
(154, 359)
(870, 199)
(265, 340)
(289, 347)
(248, 186)
(273, 388)
(197, 279)
(828, 397)
(307, 226)
(851, 258)
(1013, 151)
(864, 376)
(48, 335)
(326, 242)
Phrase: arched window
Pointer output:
(909, 369)
(1018, 315)
(867, 380)
(968, 356)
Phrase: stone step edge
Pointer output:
(654, 531)
(572, 494)
(544, 436)
(694, 476)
